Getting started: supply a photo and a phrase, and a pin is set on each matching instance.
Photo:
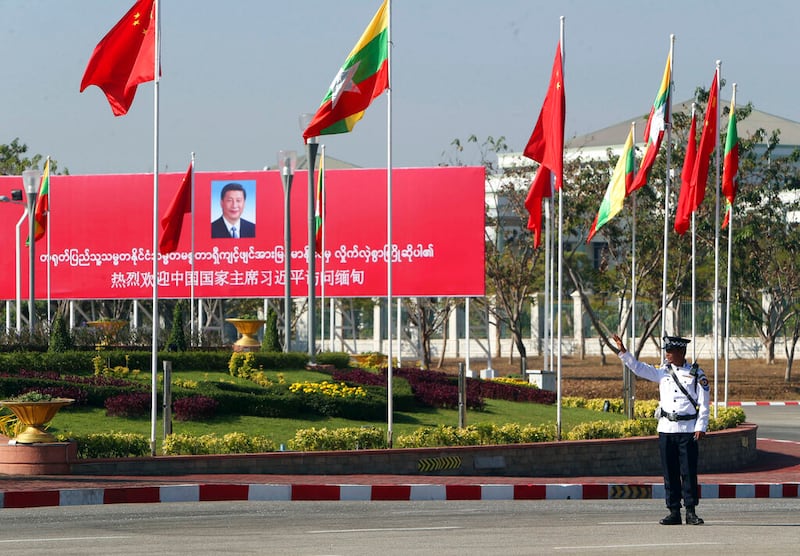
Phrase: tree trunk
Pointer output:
(787, 377)
(770, 345)
(523, 354)
(444, 346)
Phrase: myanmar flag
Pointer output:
(656, 124)
(615, 194)
(318, 207)
(42, 205)
(363, 77)
(731, 163)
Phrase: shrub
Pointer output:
(346, 438)
(109, 444)
(438, 389)
(95, 389)
(241, 364)
(338, 359)
(10, 425)
(194, 408)
(443, 435)
(727, 418)
(136, 404)
(594, 429)
(32, 396)
(271, 340)
(177, 334)
(476, 435)
(231, 443)
(60, 337)
(79, 395)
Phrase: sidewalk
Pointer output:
(775, 474)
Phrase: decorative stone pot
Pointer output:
(36, 415)
(248, 328)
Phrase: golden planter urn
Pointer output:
(35, 415)
(248, 328)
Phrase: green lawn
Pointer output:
(85, 421)
(82, 421)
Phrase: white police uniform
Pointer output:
(676, 407)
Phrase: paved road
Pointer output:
(391, 528)
(776, 422)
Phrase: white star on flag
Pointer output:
(343, 82)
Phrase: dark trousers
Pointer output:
(679, 463)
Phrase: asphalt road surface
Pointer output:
(776, 422)
(750, 526)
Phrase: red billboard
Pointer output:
(99, 243)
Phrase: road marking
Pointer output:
(381, 529)
(61, 539)
(654, 545)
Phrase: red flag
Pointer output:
(684, 211)
(546, 146)
(708, 142)
(540, 188)
(172, 222)
(125, 57)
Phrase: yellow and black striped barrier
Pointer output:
(630, 491)
(438, 464)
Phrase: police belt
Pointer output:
(676, 417)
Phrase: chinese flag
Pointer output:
(546, 146)
(540, 188)
(708, 142)
(686, 196)
(172, 222)
(125, 57)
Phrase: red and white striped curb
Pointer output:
(738, 404)
(399, 492)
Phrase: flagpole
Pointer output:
(633, 260)
(191, 273)
(321, 209)
(154, 340)
(728, 271)
(716, 247)
(551, 342)
(49, 203)
(668, 125)
(548, 289)
(694, 270)
(560, 256)
(628, 377)
(389, 394)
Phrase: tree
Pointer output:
(513, 266)
(60, 337)
(177, 335)
(13, 161)
(429, 315)
(766, 240)
(271, 340)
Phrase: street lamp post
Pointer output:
(31, 179)
(287, 160)
(312, 146)
(17, 200)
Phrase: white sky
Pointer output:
(238, 73)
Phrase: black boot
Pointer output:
(674, 518)
(691, 517)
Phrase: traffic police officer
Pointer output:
(682, 422)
